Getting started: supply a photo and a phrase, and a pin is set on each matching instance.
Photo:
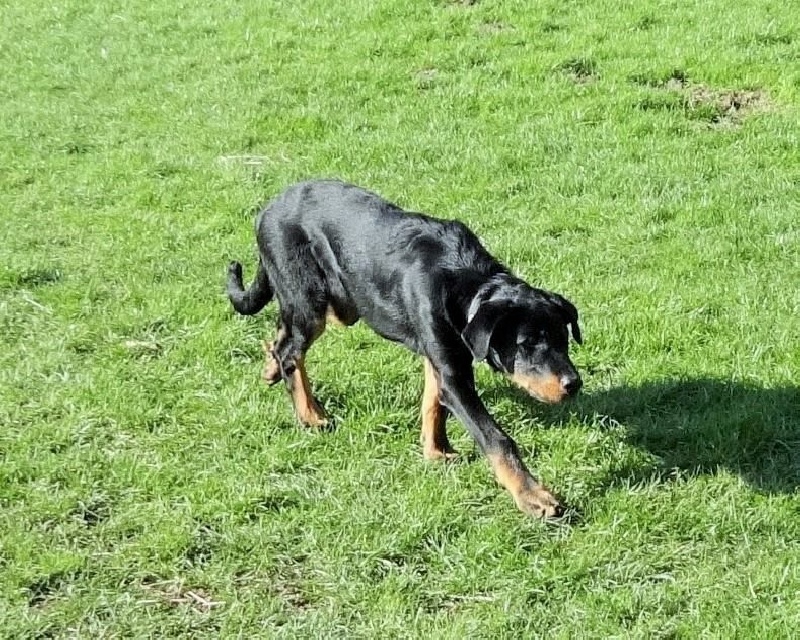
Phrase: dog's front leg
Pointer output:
(459, 396)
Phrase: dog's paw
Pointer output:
(271, 373)
(538, 502)
(311, 414)
(447, 454)
(272, 370)
(316, 421)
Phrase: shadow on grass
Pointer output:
(700, 425)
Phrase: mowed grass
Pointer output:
(639, 157)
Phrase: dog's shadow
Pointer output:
(700, 425)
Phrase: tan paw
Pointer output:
(315, 421)
(431, 452)
(311, 414)
(538, 502)
(272, 371)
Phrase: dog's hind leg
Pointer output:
(272, 370)
(288, 351)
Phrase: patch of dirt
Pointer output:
(723, 106)
(284, 583)
(290, 594)
(718, 107)
(175, 593)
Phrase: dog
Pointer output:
(332, 251)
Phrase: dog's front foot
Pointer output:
(535, 500)
(311, 413)
(531, 497)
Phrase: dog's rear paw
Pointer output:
(271, 373)
(272, 370)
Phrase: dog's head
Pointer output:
(525, 335)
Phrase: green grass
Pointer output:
(595, 147)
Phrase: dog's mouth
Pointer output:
(548, 389)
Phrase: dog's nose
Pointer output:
(572, 384)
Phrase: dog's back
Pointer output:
(360, 226)
(368, 251)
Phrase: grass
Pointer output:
(641, 158)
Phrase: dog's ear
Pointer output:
(570, 315)
(478, 333)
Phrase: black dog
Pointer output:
(333, 251)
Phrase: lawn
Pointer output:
(641, 158)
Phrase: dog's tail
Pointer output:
(253, 299)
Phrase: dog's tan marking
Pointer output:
(531, 497)
(305, 405)
(272, 371)
(547, 388)
(433, 435)
(330, 316)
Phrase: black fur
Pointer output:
(420, 281)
